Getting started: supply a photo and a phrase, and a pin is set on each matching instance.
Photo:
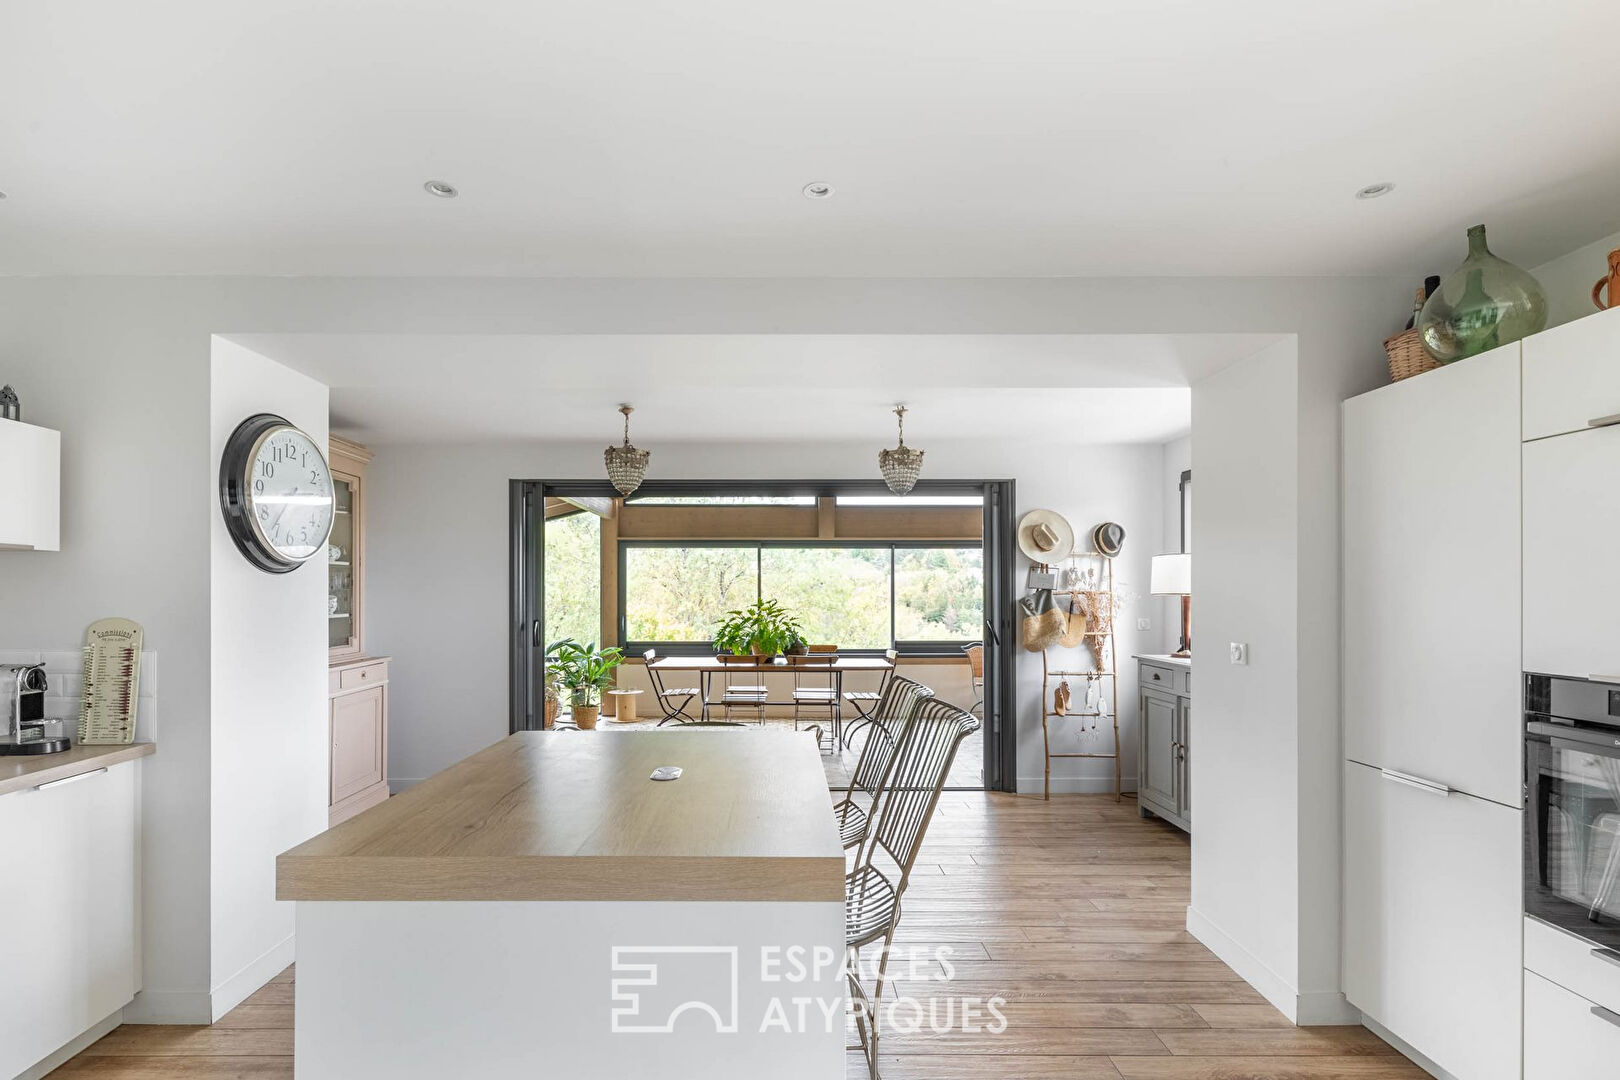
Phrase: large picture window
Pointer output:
(862, 598)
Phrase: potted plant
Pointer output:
(585, 671)
(763, 628)
(553, 685)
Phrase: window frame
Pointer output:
(919, 649)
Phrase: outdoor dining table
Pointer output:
(707, 667)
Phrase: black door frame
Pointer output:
(527, 509)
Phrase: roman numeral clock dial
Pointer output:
(275, 491)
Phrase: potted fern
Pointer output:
(763, 628)
(585, 671)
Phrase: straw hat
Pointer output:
(1108, 538)
(1045, 536)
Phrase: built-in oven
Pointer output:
(1572, 806)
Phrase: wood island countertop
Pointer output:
(566, 815)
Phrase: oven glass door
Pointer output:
(1572, 832)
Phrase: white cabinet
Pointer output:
(31, 478)
(1571, 375)
(1571, 575)
(358, 726)
(1431, 576)
(1432, 921)
(70, 904)
(1566, 1037)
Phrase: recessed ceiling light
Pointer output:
(440, 189)
(1372, 191)
(818, 189)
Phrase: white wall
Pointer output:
(1244, 740)
(1569, 280)
(437, 589)
(121, 367)
(268, 750)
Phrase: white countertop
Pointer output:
(1169, 661)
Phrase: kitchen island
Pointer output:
(544, 908)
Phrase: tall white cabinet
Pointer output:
(1432, 669)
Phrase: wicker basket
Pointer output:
(1407, 356)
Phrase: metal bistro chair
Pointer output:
(745, 695)
(815, 686)
(882, 867)
(975, 655)
(865, 700)
(888, 722)
(672, 701)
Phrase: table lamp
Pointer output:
(1172, 576)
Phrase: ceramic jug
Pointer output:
(1612, 281)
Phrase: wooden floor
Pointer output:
(1072, 910)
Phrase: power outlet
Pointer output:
(1240, 652)
(1144, 624)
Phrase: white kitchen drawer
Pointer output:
(1571, 375)
(1569, 961)
(1564, 1039)
(1571, 577)
(1432, 636)
(1432, 921)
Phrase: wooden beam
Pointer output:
(911, 523)
(753, 522)
(827, 518)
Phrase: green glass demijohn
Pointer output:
(1485, 302)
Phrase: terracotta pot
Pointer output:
(585, 716)
(553, 706)
(1612, 281)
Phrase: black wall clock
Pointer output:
(275, 491)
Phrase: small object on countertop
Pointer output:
(112, 674)
(666, 772)
(10, 407)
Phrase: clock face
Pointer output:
(288, 493)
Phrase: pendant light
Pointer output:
(626, 466)
(902, 464)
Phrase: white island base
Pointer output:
(435, 989)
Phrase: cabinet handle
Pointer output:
(1604, 421)
(1604, 1014)
(1608, 956)
(1418, 782)
(69, 779)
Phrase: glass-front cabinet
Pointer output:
(345, 551)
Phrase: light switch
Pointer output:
(1240, 652)
(1144, 624)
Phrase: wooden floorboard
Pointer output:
(1073, 911)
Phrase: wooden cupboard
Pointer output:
(1164, 724)
(358, 692)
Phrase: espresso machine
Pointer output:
(27, 731)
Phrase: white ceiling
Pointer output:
(1077, 389)
(964, 137)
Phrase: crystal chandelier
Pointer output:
(625, 464)
(902, 464)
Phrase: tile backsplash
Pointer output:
(64, 675)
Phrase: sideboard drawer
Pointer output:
(1163, 678)
(364, 675)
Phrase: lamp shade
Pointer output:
(1172, 575)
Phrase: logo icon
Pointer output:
(655, 985)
